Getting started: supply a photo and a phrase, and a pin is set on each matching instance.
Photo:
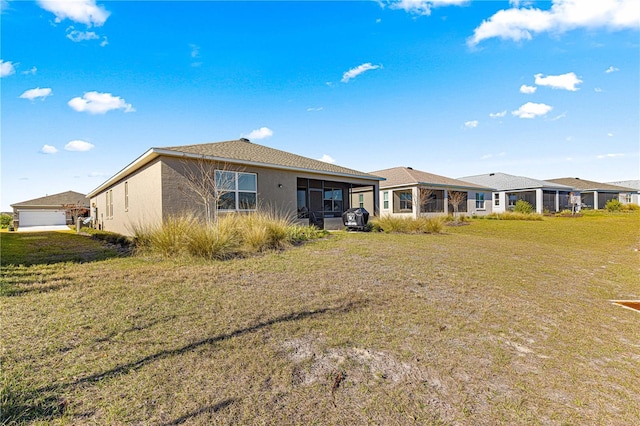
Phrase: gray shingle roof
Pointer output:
(244, 150)
(506, 182)
(632, 184)
(588, 185)
(55, 200)
(397, 176)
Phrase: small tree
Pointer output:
(456, 198)
(425, 196)
(523, 206)
(6, 220)
(75, 210)
(208, 184)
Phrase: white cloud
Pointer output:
(487, 156)
(610, 134)
(612, 69)
(521, 23)
(327, 159)
(597, 90)
(566, 81)
(354, 72)
(48, 149)
(36, 93)
(261, 133)
(563, 115)
(104, 42)
(314, 109)
(32, 71)
(82, 11)
(78, 145)
(498, 114)
(421, 7)
(471, 124)
(6, 68)
(600, 157)
(78, 36)
(532, 110)
(527, 89)
(99, 103)
(195, 50)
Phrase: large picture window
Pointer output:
(237, 191)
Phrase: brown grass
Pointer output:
(498, 322)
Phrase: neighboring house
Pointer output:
(632, 196)
(156, 185)
(413, 193)
(594, 195)
(50, 209)
(542, 195)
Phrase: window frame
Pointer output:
(236, 191)
(385, 200)
(480, 201)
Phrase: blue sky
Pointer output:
(539, 89)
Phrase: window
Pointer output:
(404, 200)
(332, 199)
(126, 196)
(361, 200)
(111, 203)
(496, 199)
(385, 198)
(480, 200)
(236, 190)
(106, 204)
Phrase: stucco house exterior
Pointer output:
(48, 210)
(407, 192)
(156, 185)
(542, 195)
(633, 196)
(594, 195)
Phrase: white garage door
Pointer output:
(42, 218)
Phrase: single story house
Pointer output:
(594, 195)
(234, 176)
(632, 196)
(412, 193)
(542, 195)
(56, 209)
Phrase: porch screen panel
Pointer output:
(549, 200)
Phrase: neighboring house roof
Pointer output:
(55, 200)
(633, 184)
(506, 182)
(588, 185)
(404, 176)
(243, 152)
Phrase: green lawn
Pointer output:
(497, 322)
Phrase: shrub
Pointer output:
(613, 205)
(5, 220)
(632, 207)
(229, 236)
(406, 225)
(523, 206)
(512, 216)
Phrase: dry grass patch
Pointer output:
(492, 323)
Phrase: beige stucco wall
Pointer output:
(159, 190)
(177, 198)
(145, 201)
